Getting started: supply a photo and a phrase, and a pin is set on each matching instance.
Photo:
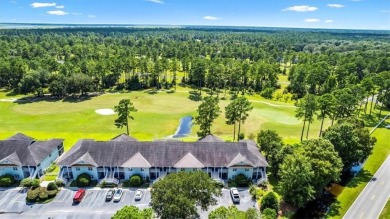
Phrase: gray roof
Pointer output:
(123, 137)
(163, 154)
(22, 150)
(210, 138)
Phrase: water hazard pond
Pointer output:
(184, 127)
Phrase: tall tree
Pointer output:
(124, 108)
(231, 112)
(351, 140)
(178, 195)
(132, 212)
(243, 108)
(306, 108)
(208, 111)
(325, 106)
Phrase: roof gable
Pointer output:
(137, 160)
(240, 160)
(86, 159)
(11, 159)
(20, 136)
(189, 161)
(210, 138)
(123, 137)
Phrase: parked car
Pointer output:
(110, 194)
(118, 195)
(388, 126)
(79, 196)
(235, 195)
(138, 194)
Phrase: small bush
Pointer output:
(32, 195)
(43, 195)
(241, 136)
(59, 183)
(270, 201)
(253, 190)
(29, 182)
(269, 213)
(52, 186)
(83, 180)
(52, 194)
(7, 180)
(51, 168)
(267, 93)
(241, 180)
(135, 180)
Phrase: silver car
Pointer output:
(138, 194)
(235, 195)
(118, 195)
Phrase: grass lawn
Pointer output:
(348, 194)
(386, 212)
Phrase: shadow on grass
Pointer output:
(350, 181)
(151, 91)
(47, 98)
(195, 96)
(370, 120)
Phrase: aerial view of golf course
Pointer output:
(213, 119)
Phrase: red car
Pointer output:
(79, 196)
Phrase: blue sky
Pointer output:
(348, 14)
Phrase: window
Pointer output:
(50, 155)
(130, 169)
(234, 169)
(15, 168)
(142, 169)
(194, 169)
(77, 168)
(90, 168)
(16, 176)
(246, 169)
(182, 169)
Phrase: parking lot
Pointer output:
(93, 205)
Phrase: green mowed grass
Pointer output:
(350, 192)
(386, 212)
(157, 117)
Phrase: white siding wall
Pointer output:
(83, 169)
(131, 171)
(10, 170)
(238, 170)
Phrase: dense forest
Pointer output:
(351, 65)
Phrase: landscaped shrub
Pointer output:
(269, 213)
(32, 195)
(83, 180)
(241, 136)
(241, 180)
(30, 182)
(60, 183)
(7, 180)
(52, 186)
(52, 193)
(135, 180)
(51, 168)
(43, 194)
(270, 201)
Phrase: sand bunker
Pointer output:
(105, 112)
(8, 100)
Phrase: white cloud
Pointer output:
(91, 16)
(42, 5)
(328, 21)
(385, 11)
(211, 18)
(335, 6)
(60, 6)
(312, 20)
(57, 12)
(156, 1)
(301, 8)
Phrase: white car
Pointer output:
(118, 195)
(138, 194)
(235, 195)
(388, 126)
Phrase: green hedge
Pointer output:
(29, 182)
(7, 180)
(83, 180)
(40, 194)
(52, 186)
(134, 181)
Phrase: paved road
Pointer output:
(374, 197)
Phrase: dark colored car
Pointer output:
(110, 194)
(79, 196)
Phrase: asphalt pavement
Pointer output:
(374, 196)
